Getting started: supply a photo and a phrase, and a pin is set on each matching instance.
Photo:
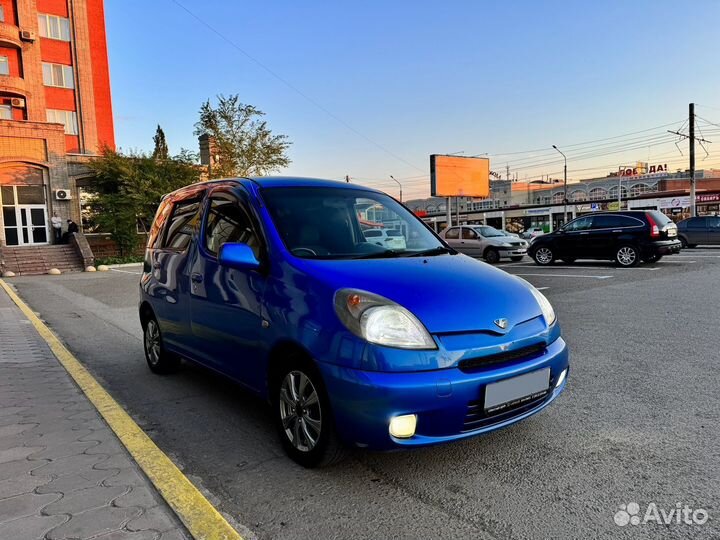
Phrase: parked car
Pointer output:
(391, 239)
(486, 242)
(272, 283)
(626, 237)
(699, 230)
(532, 232)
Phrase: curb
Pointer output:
(123, 265)
(199, 516)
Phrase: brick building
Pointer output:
(55, 111)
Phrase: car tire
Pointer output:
(543, 256)
(491, 256)
(653, 258)
(627, 256)
(683, 243)
(568, 260)
(159, 360)
(516, 259)
(303, 417)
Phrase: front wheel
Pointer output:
(159, 360)
(627, 256)
(491, 256)
(543, 256)
(303, 417)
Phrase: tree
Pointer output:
(161, 147)
(127, 190)
(244, 145)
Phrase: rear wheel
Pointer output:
(159, 360)
(543, 256)
(627, 256)
(303, 417)
(491, 255)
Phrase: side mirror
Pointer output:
(238, 256)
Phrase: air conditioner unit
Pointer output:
(17, 102)
(63, 194)
(27, 35)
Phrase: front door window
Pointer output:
(24, 215)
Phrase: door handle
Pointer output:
(196, 278)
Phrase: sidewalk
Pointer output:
(63, 472)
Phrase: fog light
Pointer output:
(403, 427)
(561, 378)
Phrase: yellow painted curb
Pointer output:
(200, 517)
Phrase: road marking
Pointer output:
(692, 256)
(201, 518)
(677, 262)
(566, 275)
(126, 272)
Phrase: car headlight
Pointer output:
(379, 320)
(505, 244)
(545, 306)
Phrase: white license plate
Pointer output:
(516, 391)
(672, 232)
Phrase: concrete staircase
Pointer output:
(34, 260)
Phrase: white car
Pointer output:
(532, 232)
(390, 239)
(486, 242)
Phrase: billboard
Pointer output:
(456, 176)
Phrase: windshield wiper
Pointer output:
(439, 250)
(390, 253)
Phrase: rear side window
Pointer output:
(614, 222)
(713, 222)
(696, 223)
(158, 225)
(453, 233)
(659, 218)
(180, 226)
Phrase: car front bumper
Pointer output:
(512, 252)
(446, 401)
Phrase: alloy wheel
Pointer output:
(152, 342)
(300, 411)
(626, 256)
(543, 255)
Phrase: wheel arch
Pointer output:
(280, 354)
(146, 313)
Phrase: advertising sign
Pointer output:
(455, 176)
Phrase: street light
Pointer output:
(564, 183)
(399, 184)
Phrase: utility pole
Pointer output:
(693, 205)
(691, 139)
(507, 169)
(347, 178)
(399, 184)
(564, 219)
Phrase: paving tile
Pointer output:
(140, 496)
(76, 482)
(70, 465)
(127, 535)
(85, 499)
(94, 522)
(30, 528)
(12, 469)
(153, 518)
(24, 505)
(175, 534)
(19, 452)
(21, 484)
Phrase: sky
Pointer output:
(370, 89)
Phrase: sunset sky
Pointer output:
(371, 89)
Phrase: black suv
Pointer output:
(626, 237)
(699, 230)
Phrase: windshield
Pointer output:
(337, 223)
(488, 232)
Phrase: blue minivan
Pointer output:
(272, 282)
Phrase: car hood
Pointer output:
(448, 293)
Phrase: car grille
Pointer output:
(516, 243)
(476, 418)
(524, 353)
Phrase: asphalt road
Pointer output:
(637, 423)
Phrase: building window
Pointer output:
(58, 75)
(66, 118)
(4, 66)
(5, 112)
(54, 27)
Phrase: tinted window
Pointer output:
(613, 222)
(713, 222)
(468, 234)
(394, 233)
(163, 212)
(229, 221)
(579, 224)
(696, 223)
(180, 226)
(452, 233)
(372, 234)
(659, 218)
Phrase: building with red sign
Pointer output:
(55, 111)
